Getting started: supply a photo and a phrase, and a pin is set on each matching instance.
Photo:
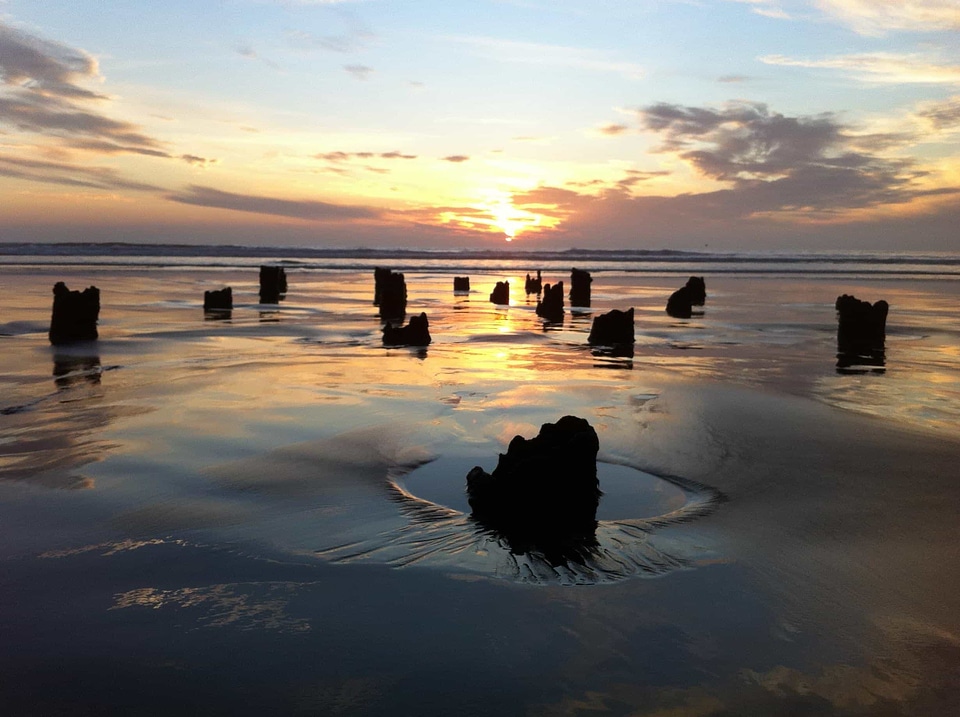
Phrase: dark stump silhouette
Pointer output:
(612, 329)
(75, 314)
(500, 293)
(544, 493)
(218, 299)
(861, 332)
(533, 285)
(415, 333)
(681, 302)
(379, 275)
(273, 284)
(390, 293)
(580, 281)
(551, 308)
(461, 283)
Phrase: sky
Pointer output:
(549, 124)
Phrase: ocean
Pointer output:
(264, 511)
(663, 262)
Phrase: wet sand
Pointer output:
(264, 513)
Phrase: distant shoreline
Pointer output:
(666, 262)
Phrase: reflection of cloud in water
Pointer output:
(111, 548)
(244, 606)
(913, 673)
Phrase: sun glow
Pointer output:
(498, 214)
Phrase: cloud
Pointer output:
(197, 161)
(64, 173)
(40, 94)
(456, 158)
(345, 163)
(943, 115)
(732, 79)
(788, 213)
(247, 51)
(779, 175)
(767, 8)
(346, 156)
(878, 17)
(530, 53)
(636, 176)
(33, 112)
(48, 68)
(355, 38)
(744, 141)
(311, 210)
(884, 67)
(352, 36)
(361, 72)
(612, 130)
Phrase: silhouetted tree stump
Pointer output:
(75, 314)
(580, 281)
(551, 308)
(461, 284)
(500, 293)
(614, 328)
(861, 332)
(379, 275)
(390, 293)
(273, 284)
(681, 302)
(415, 333)
(218, 299)
(533, 285)
(544, 492)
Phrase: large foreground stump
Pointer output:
(544, 492)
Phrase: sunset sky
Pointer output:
(761, 124)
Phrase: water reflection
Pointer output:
(615, 351)
(860, 362)
(70, 370)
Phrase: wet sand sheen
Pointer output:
(245, 488)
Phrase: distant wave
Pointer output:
(652, 261)
(232, 250)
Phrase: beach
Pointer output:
(264, 513)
